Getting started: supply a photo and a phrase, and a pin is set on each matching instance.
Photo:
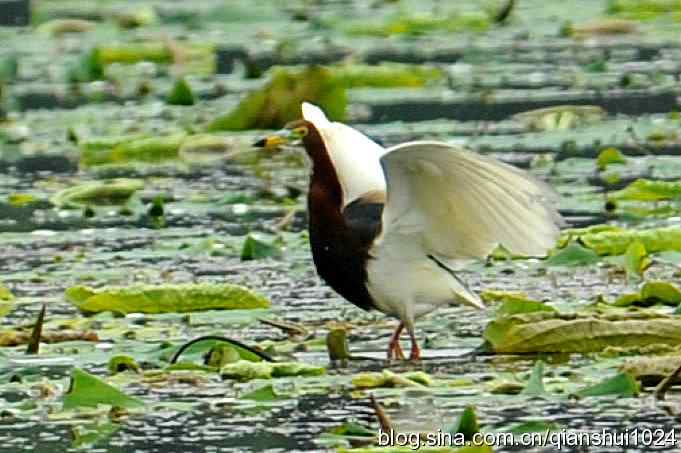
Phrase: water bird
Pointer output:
(387, 226)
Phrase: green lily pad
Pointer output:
(99, 193)
(535, 386)
(91, 434)
(87, 390)
(389, 379)
(120, 363)
(255, 248)
(651, 293)
(636, 260)
(647, 190)
(279, 101)
(609, 156)
(467, 423)
(244, 370)
(263, 394)
(573, 255)
(123, 150)
(623, 384)
(555, 332)
(616, 242)
(175, 298)
(516, 306)
(181, 93)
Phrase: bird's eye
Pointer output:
(300, 132)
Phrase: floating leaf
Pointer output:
(573, 255)
(389, 379)
(279, 101)
(561, 117)
(623, 384)
(104, 193)
(467, 424)
(245, 370)
(651, 293)
(647, 190)
(222, 354)
(181, 93)
(89, 435)
(617, 242)
(255, 248)
(555, 332)
(636, 260)
(87, 390)
(122, 150)
(5, 294)
(609, 156)
(121, 363)
(533, 426)
(513, 307)
(57, 27)
(535, 386)
(263, 394)
(171, 298)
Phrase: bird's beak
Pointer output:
(274, 141)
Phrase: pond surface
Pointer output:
(210, 201)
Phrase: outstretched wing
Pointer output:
(461, 205)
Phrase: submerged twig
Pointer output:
(383, 419)
(667, 382)
(37, 333)
(291, 329)
(185, 346)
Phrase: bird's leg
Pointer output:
(415, 353)
(394, 345)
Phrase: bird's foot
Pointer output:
(415, 354)
(394, 347)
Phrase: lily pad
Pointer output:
(244, 370)
(98, 193)
(181, 93)
(648, 190)
(623, 384)
(651, 293)
(279, 101)
(535, 386)
(178, 298)
(617, 242)
(554, 332)
(122, 150)
(87, 390)
(256, 247)
(573, 255)
(467, 423)
(609, 156)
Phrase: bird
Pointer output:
(387, 226)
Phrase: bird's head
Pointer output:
(293, 134)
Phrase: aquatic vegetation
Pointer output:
(554, 332)
(177, 298)
(86, 390)
(647, 190)
(97, 193)
(181, 93)
(652, 292)
(279, 101)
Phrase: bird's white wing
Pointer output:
(462, 205)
